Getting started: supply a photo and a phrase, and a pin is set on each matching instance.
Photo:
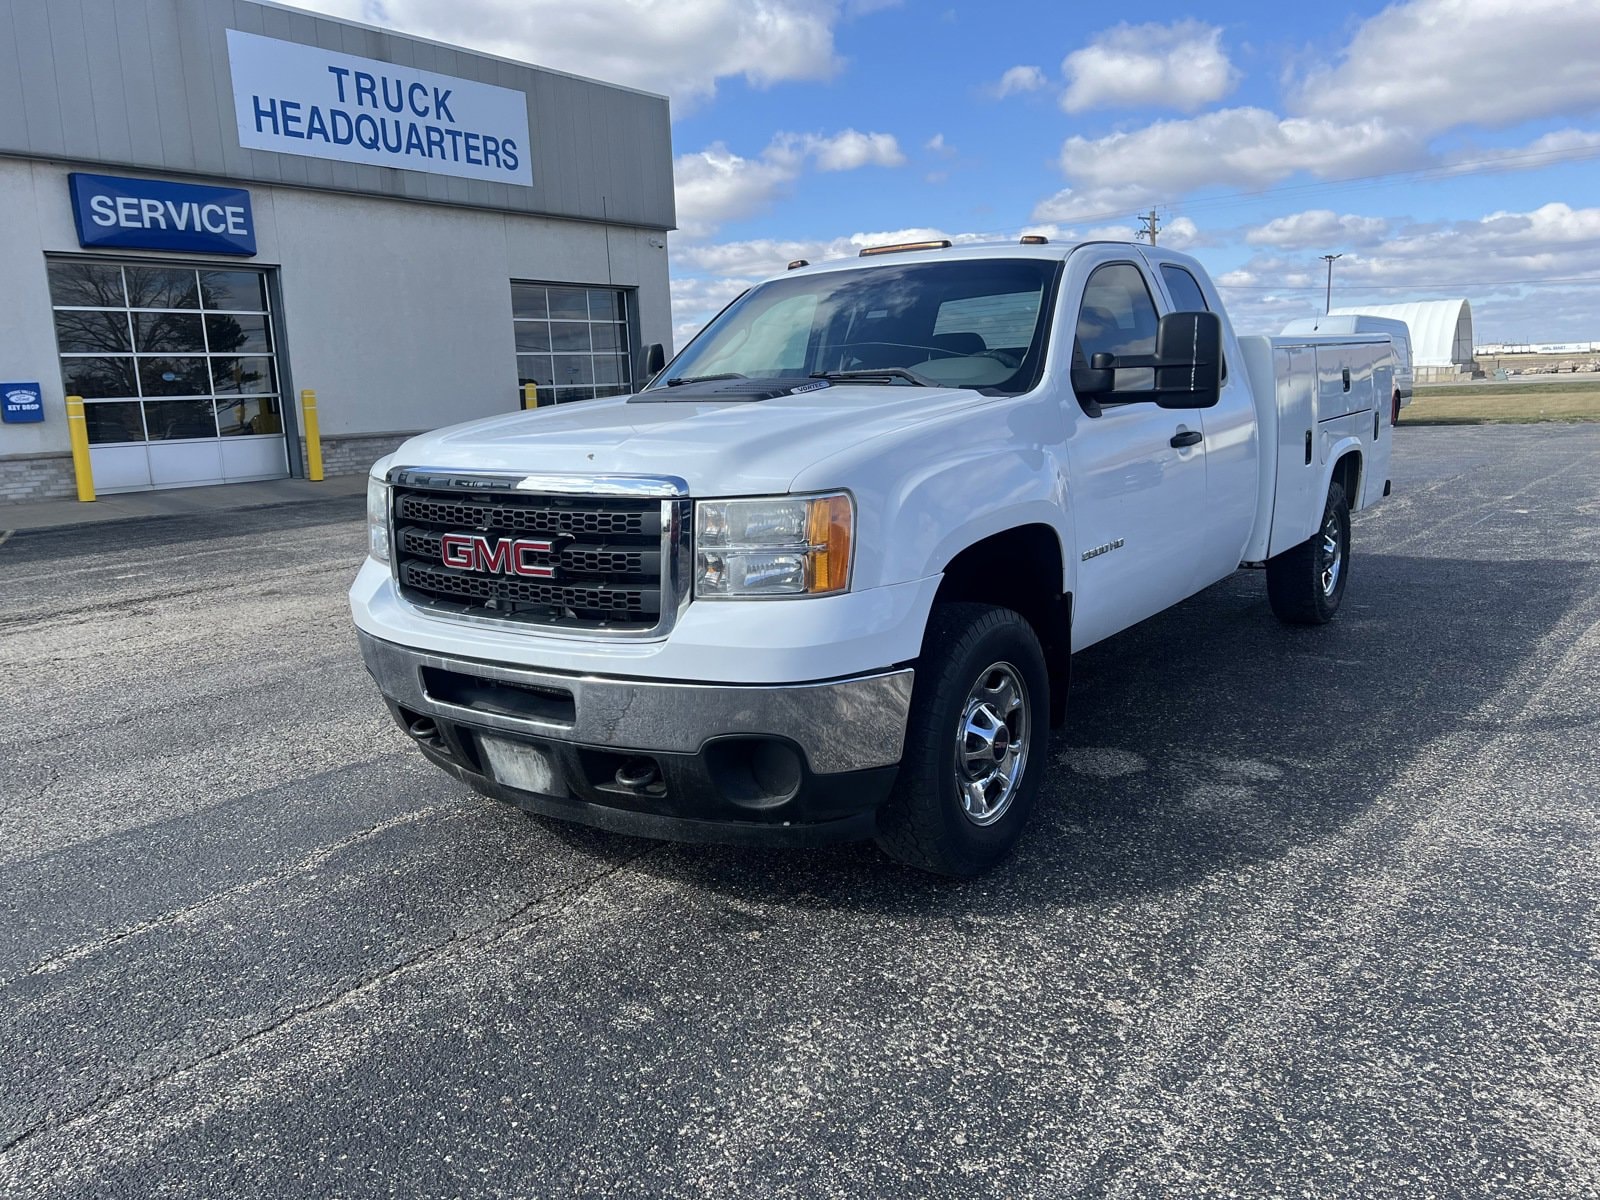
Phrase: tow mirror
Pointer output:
(1187, 365)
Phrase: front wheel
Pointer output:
(1306, 582)
(976, 743)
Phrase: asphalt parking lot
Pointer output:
(1304, 912)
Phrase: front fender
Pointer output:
(943, 487)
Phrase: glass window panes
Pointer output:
(86, 285)
(176, 419)
(528, 300)
(568, 336)
(161, 287)
(173, 377)
(237, 291)
(168, 333)
(86, 331)
(234, 333)
(571, 341)
(95, 378)
(132, 331)
(114, 422)
(569, 304)
(253, 374)
(533, 337)
(244, 416)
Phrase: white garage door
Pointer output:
(177, 369)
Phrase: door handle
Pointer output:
(1187, 437)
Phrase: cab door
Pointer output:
(1137, 486)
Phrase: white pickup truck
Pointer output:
(823, 577)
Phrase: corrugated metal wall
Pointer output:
(145, 84)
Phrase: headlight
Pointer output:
(778, 547)
(378, 519)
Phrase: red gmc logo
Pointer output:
(502, 556)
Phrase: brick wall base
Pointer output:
(354, 455)
(38, 477)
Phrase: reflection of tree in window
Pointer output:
(86, 285)
(161, 287)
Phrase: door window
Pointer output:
(1118, 317)
(1186, 293)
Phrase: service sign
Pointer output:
(295, 99)
(152, 214)
(21, 403)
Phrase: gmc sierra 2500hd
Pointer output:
(823, 577)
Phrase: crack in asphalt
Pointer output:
(486, 933)
(301, 866)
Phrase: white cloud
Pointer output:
(1433, 65)
(1018, 80)
(1319, 227)
(680, 49)
(1180, 66)
(1092, 204)
(937, 145)
(1239, 147)
(1438, 259)
(716, 185)
(849, 150)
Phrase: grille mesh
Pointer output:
(607, 557)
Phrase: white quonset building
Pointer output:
(1441, 335)
(206, 205)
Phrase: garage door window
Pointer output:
(166, 353)
(571, 341)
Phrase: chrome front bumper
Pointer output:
(843, 725)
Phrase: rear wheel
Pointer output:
(976, 743)
(1306, 583)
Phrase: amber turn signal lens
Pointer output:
(829, 531)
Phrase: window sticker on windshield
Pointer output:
(810, 387)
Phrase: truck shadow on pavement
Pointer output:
(1211, 736)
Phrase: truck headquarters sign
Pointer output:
(296, 99)
(152, 214)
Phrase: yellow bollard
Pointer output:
(530, 395)
(308, 410)
(78, 435)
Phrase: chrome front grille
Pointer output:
(604, 564)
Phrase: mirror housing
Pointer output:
(1187, 364)
(655, 358)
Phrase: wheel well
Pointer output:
(1347, 474)
(1020, 569)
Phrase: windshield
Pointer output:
(967, 323)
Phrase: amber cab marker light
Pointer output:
(942, 244)
(1035, 239)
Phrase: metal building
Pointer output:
(207, 205)
(1441, 335)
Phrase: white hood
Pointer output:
(721, 448)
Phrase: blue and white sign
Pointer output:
(21, 403)
(296, 99)
(152, 214)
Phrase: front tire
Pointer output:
(1306, 582)
(976, 743)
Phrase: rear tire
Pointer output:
(1306, 582)
(976, 745)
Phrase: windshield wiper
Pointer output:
(876, 375)
(682, 379)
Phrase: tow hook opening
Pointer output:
(424, 730)
(638, 774)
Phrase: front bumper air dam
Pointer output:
(803, 764)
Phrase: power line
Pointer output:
(1588, 281)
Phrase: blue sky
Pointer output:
(1444, 147)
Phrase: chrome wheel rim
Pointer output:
(1332, 555)
(991, 749)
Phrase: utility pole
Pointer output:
(1151, 226)
(1327, 306)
